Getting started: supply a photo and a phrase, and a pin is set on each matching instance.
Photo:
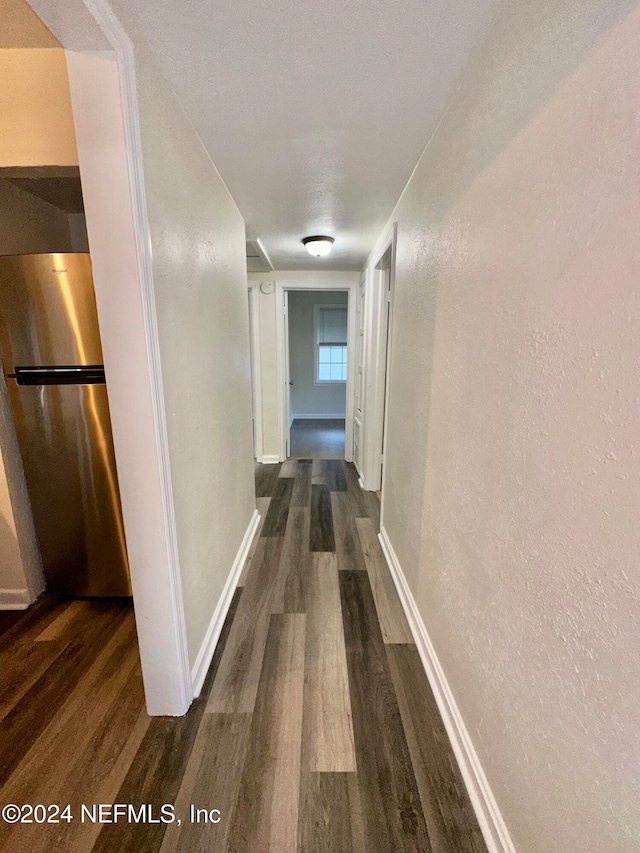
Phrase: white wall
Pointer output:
(199, 291)
(307, 396)
(267, 346)
(513, 468)
(124, 302)
(200, 285)
(35, 109)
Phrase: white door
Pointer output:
(358, 444)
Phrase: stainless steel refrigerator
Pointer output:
(52, 362)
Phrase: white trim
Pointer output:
(339, 417)
(360, 415)
(385, 371)
(254, 332)
(269, 459)
(494, 829)
(14, 599)
(112, 29)
(286, 363)
(377, 355)
(208, 647)
(282, 285)
(381, 361)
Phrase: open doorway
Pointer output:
(318, 352)
(316, 367)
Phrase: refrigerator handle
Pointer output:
(60, 375)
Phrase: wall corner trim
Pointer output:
(208, 647)
(171, 695)
(15, 599)
(491, 822)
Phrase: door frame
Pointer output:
(256, 372)
(379, 325)
(286, 388)
(363, 284)
(101, 67)
(349, 285)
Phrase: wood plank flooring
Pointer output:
(317, 438)
(315, 732)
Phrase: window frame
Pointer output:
(336, 306)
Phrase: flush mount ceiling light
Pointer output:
(318, 246)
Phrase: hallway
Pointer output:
(315, 730)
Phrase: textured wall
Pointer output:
(513, 466)
(307, 397)
(200, 283)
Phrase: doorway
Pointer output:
(317, 358)
(316, 339)
(378, 287)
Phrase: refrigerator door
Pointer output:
(48, 320)
(64, 432)
(48, 311)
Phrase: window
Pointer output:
(330, 328)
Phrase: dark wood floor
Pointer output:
(315, 731)
(317, 439)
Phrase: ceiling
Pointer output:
(315, 114)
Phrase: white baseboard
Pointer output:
(338, 417)
(14, 599)
(494, 829)
(270, 459)
(203, 660)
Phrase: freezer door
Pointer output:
(65, 439)
(48, 311)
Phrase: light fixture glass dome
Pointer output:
(318, 246)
